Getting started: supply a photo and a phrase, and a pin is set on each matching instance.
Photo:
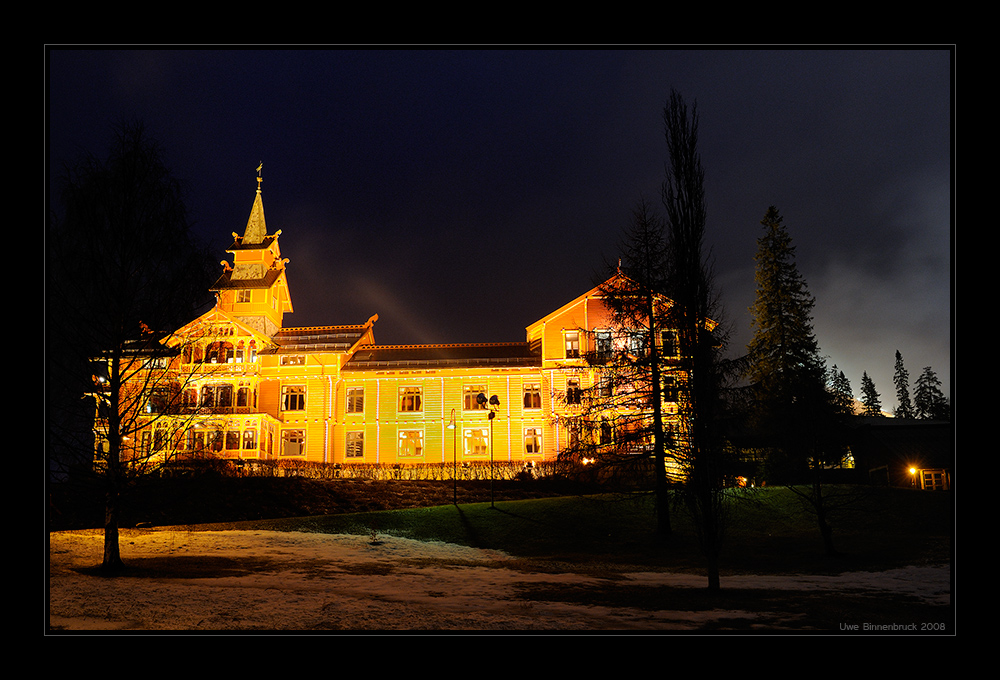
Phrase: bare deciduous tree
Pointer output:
(122, 265)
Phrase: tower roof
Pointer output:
(257, 262)
(256, 230)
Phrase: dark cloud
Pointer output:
(461, 195)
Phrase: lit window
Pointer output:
(293, 443)
(669, 390)
(292, 360)
(602, 345)
(477, 442)
(243, 296)
(217, 396)
(249, 439)
(355, 445)
(232, 439)
(533, 440)
(668, 341)
(355, 400)
(574, 393)
(411, 443)
(195, 440)
(293, 398)
(244, 397)
(214, 440)
(532, 395)
(572, 344)
(158, 400)
(220, 353)
(637, 344)
(607, 434)
(471, 397)
(410, 399)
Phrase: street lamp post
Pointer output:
(453, 426)
(494, 403)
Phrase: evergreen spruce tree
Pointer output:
(901, 379)
(929, 401)
(840, 388)
(870, 397)
(786, 368)
(796, 416)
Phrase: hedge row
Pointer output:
(478, 470)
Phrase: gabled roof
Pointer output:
(216, 316)
(595, 292)
(460, 355)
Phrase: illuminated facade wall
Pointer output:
(254, 388)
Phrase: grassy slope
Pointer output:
(599, 535)
(768, 530)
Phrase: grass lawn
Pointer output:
(768, 530)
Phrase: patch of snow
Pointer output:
(308, 581)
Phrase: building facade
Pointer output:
(244, 385)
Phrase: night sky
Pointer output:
(464, 194)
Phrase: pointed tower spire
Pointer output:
(254, 289)
(256, 226)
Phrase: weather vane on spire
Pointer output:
(259, 167)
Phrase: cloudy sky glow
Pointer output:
(463, 194)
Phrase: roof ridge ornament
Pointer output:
(259, 178)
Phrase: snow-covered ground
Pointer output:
(302, 581)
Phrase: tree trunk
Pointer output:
(825, 530)
(714, 582)
(663, 526)
(112, 552)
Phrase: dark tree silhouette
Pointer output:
(627, 407)
(700, 444)
(870, 397)
(796, 415)
(929, 401)
(122, 267)
(901, 379)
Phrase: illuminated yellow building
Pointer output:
(246, 386)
